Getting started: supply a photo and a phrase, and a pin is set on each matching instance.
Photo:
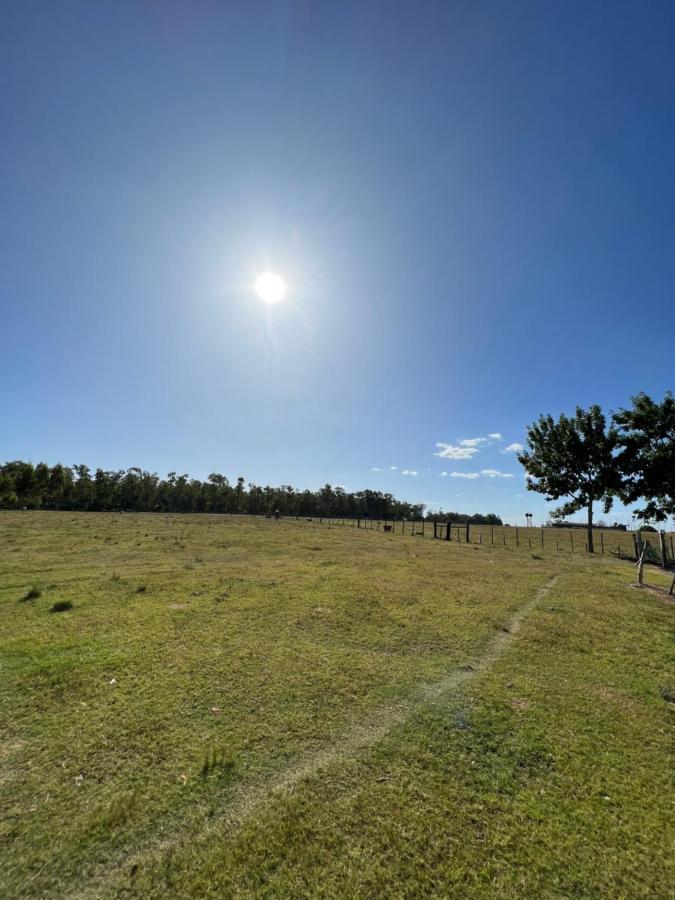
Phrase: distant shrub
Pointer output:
(141, 589)
(32, 594)
(647, 528)
(61, 606)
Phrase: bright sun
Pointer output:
(270, 287)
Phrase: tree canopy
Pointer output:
(647, 455)
(573, 458)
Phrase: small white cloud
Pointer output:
(465, 474)
(472, 442)
(393, 468)
(444, 474)
(515, 447)
(376, 469)
(451, 451)
(495, 473)
(496, 436)
(409, 472)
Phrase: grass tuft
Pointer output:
(32, 594)
(61, 606)
(218, 760)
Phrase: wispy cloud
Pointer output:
(393, 468)
(409, 472)
(452, 451)
(485, 473)
(515, 447)
(466, 448)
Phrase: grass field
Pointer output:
(234, 707)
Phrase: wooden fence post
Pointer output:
(517, 541)
(664, 555)
(542, 538)
(447, 532)
(641, 563)
(492, 534)
(468, 526)
(602, 544)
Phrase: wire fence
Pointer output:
(606, 541)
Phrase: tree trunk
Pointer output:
(590, 526)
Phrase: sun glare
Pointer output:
(270, 287)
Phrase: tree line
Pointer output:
(589, 458)
(41, 486)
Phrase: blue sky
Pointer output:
(473, 205)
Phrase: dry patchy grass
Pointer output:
(260, 708)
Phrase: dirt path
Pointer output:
(248, 798)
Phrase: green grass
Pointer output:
(238, 707)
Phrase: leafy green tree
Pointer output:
(647, 455)
(573, 458)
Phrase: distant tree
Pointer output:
(647, 455)
(574, 458)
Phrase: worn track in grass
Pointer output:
(248, 798)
